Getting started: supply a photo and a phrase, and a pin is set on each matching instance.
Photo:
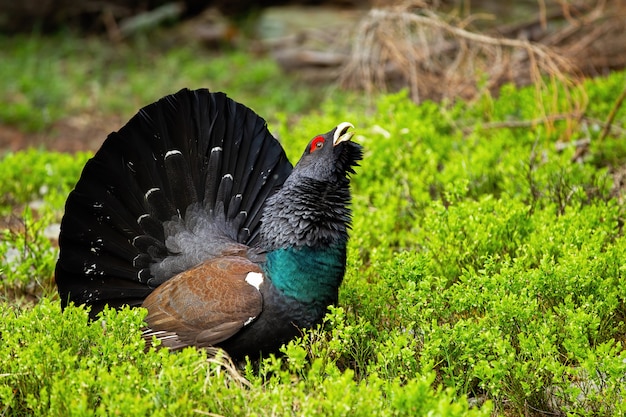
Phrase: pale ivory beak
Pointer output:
(342, 134)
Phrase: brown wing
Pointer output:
(204, 305)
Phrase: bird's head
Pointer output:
(331, 156)
(312, 207)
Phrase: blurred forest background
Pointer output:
(437, 50)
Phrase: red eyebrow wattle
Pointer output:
(315, 141)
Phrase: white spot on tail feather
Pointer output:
(216, 149)
(255, 279)
(172, 152)
(152, 190)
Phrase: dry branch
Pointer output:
(438, 59)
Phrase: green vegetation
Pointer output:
(485, 271)
(47, 78)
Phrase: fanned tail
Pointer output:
(183, 181)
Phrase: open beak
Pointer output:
(342, 134)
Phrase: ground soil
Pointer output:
(72, 134)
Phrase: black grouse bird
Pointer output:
(193, 211)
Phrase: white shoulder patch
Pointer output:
(255, 279)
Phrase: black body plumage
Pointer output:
(196, 184)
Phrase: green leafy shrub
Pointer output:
(485, 275)
(58, 363)
(35, 175)
(27, 260)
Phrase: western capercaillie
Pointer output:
(193, 211)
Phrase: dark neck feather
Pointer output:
(307, 212)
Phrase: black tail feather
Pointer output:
(223, 194)
(181, 182)
(159, 206)
(212, 182)
(264, 180)
(188, 148)
(151, 226)
(234, 207)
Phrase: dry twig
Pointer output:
(612, 114)
(437, 59)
